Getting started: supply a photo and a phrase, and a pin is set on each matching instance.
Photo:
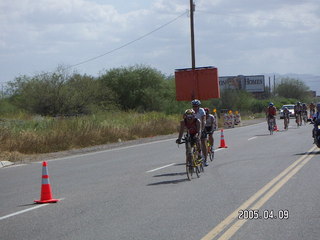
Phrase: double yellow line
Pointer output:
(265, 193)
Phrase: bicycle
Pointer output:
(210, 151)
(194, 162)
(299, 119)
(271, 124)
(305, 117)
(286, 121)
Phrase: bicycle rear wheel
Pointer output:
(189, 167)
(271, 127)
(197, 170)
(285, 123)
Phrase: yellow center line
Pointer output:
(294, 168)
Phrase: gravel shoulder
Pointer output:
(48, 156)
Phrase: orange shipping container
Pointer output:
(199, 83)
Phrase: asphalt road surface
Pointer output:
(261, 187)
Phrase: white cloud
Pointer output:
(237, 36)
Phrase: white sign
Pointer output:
(254, 83)
(248, 83)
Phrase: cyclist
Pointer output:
(201, 115)
(191, 124)
(304, 112)
(271, 113)
(210, 127)
(312, 108)
(316, 121)
(286, 116)
(298, 113)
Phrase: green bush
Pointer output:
(139, 87)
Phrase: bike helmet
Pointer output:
(298, 103)
(207, 110)
(271, 104)
(196, 102)
(189, 113)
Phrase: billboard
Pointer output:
(254, 83)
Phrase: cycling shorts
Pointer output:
(208, 130)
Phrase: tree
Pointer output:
(59, 93)
(292, 88)
(139, 87)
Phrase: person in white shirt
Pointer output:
(210, 127)
(201, 115)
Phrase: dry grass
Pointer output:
(44, 135)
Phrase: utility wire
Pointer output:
(128, 43)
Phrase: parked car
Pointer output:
(291, 110)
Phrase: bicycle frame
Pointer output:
(271, 124)
(193, 163)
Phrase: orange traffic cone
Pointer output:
(222, 142)
(46, 194)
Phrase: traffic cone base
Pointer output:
(47, 201)
(46, 193)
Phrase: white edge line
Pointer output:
(218, 149)
(26, 210)
(23, 211)
(109, 150)
(252, 138)
(153, 170)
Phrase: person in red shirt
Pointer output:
(191, 124)
(271, 113)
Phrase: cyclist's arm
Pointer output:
(198, 123)
(182, 126)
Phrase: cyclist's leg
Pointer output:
(204, 146)
(211, 140)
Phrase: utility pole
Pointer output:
(193, 58)
(274, 84)
(269, 87)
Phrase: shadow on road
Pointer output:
(310, 153)
(176, 181)
(170, 174)
(262, 135)
(26, 205)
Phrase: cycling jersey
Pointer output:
(210, 121)
(191, 126)
(297, 109)
(316, 117)
(286, 112)
(271, 111)
(200, 113)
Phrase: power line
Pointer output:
(128, 43)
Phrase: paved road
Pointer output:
(141, 192)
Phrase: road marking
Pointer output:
(25, 210)
(153, 170)
(252, 138)
(268, 191)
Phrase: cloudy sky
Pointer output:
(245, 37)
